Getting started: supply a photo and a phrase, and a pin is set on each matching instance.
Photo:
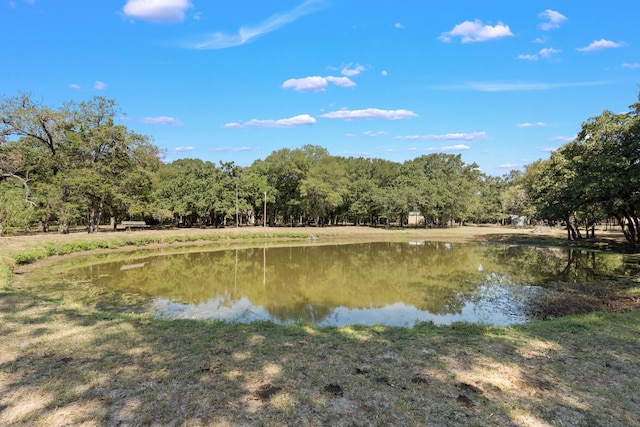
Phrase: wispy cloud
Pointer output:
(352, 70)
(529, 125)
(248, 33)
(509, 166)
(162, 120)
(375, 133)
(316, 83)
(548, 149)
(476, 31)
(232, 149)
(300, 120)
(370, 114)
(546, 53)
(552, 19)
(98, 85)
(473, 136)
(398, 25)
(157, 10)
(183, 149)
(631, 66)
(514, 86)
(599, 45)
(447, 148)
(75, 86)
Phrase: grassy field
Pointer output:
(65, 363)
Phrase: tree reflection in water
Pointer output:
(383, 282)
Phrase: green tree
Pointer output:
(81, 164)
(593, 177)
(324, 186)
(190, 189)
(15, 210)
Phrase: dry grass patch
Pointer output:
(66, 363)
(136, 370)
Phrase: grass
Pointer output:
(66, 363)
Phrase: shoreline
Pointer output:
(63, 362)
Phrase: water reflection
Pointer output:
(370, 283)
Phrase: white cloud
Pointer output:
(157, 10)
(162, 120)
(458, 147)
(316, 83)
(548, 149)
(300, 120)
(75, 86)
(514, 86)
(398, 25)
(473, 136)
(378, 133)
(306, 84)
(631, 66)
(508, 166)
(341, 81)
(476, 31)
(98, 85)
(370, 114)
(528, 125)
(552, 19)
(246, 34)
(384, 73)
(599, 45)
(350, 72)
(546, 52)
(183, 149)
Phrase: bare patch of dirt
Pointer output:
(568, 299)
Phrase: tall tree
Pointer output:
(81, 163)
(190, 190)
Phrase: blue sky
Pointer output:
(500, 82)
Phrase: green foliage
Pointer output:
(593, 177)
(74, 163)
(15, 211)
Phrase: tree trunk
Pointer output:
(91, 220)
(628, 228)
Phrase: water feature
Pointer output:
(387, 283)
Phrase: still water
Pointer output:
(369, 283)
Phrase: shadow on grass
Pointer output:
(617, 243)
(64, 365)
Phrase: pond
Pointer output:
(385, 283)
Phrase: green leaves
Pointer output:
(593, 177)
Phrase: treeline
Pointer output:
(73, 165)
(592, 178)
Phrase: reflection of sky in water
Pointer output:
(500, 305)
(379, 283)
